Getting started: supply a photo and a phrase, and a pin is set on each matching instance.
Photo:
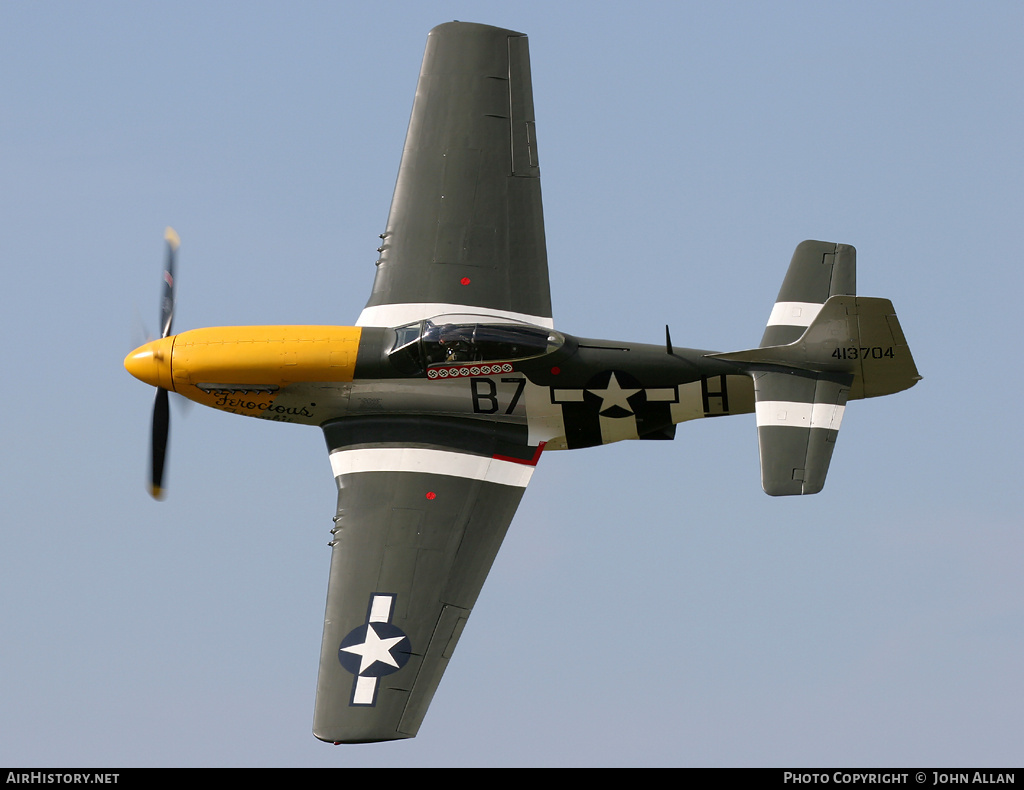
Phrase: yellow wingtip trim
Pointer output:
(171, 237)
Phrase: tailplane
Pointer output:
(822, 347)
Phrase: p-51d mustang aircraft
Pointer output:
(437, 404)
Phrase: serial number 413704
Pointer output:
(864, 352)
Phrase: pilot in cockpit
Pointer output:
(457, 342)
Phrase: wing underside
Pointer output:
(423, 505)
(466, 231)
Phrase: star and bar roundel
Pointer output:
(374, 649)
(613, 405)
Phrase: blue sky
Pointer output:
(650, 606)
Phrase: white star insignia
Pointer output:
(374, 649)
(614, 395)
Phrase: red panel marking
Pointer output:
(555, 370)
(431, 495)
(464, 281)
(531, 462)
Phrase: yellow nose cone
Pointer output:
(151, 363)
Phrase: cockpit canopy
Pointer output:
(425, 344)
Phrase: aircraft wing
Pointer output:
(466, 232)
(423, 505)
(424, 502)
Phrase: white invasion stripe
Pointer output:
(380, 609)
(436, 462)
(794, 313)
(398, 314)
(799, 415)
(366, 688)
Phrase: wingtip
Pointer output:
(157, 493)
(172, 238)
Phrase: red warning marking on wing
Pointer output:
(525, 461)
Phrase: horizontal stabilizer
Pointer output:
(818, 270)
(798, 418)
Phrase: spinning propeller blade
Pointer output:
(167, 297)
(148, 361)
(161, 427)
